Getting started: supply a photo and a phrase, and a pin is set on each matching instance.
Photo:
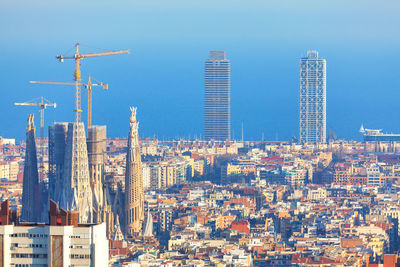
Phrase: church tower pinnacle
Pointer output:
(134, 195)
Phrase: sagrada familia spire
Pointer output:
(96, 146)
(31, 204)
(76, 191)
(134, 195)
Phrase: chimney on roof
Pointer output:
(62, 217)
(7, 216)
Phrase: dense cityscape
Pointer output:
(80, 198)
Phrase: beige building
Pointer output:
(4, 170)
(13, 170)
(317, 194)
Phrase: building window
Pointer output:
(80, 256)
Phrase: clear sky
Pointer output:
(169, 41)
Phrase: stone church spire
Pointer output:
(134, 195)
(31, 206)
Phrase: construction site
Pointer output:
(73, 177)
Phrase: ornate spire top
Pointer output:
(133, 115)
(133, 122)
(31, 123)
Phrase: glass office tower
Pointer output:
(217, 97)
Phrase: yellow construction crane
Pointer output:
(43, 104)
(88, 86)
(77, 74)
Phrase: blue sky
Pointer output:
(169, 41)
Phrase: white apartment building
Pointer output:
(45, 245)
(373, 175)
(146, 173)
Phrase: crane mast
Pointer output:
(89, 89)
(88, 86)
(77, 74)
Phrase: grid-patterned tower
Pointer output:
(96, 145)
(31, 204)
(312, 99)
(217, 97)
(76, 191)
(134, 195)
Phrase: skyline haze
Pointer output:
(166, 64)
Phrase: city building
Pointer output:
(376, 135)
(134, 195)
(62, 242)
(373, 175)
(217, 97)
(31, 193)
(377, 141)
(312, 99)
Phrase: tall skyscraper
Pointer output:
(312, 99)
(217, 97)
(31, 204)
(134, 195)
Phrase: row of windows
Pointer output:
(29, 235)
(28, 256)
(80, 246)
(28, 265)
(80, 256)
(16, 245)
(80, 236)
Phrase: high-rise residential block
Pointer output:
(31, 193)
(312, 99)
(61, 242)
(217, 97)
(134, 195)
